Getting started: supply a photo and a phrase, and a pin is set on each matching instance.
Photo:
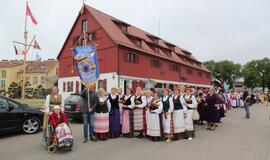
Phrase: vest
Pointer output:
(177, 103)
(114, 102)
(101, 107)
(138, 100)
(127, 102)
(166, 105)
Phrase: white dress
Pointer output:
(188, 120)
(153, 126)
(178, 118)
(167, 120)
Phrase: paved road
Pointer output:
(235, 139)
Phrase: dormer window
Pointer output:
(135, 39)
(170, 46)
(153, 38)
(122, 25)
(84, 26)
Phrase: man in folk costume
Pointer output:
(54, 99)
(167, 118)
(139, 113)
(155, 107)
(178, 115)
(101, 115)
(127, 114)
(189, 103)
(114, 114)
(218, 83)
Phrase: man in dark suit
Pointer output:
(88, 113)
(246, 99)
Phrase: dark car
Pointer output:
(15, 116)
(73, 106)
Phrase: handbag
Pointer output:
(195, 115)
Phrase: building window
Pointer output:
(208, 76)
(175, 67)
(132, 58)
(138, 43)
(35, 80)
(189, 71)
(2, 83)
(199, 73)
(84, 26)
(4, 74)
(64, 86)
(91, 36)
(28, 79)
(124, 28)
(42, 80)
(156, 63)
(84, 42)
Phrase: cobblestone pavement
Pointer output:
(235, 139)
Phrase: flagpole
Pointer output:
(24, 56)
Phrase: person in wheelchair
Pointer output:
(62, 132)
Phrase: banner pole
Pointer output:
(88, 97)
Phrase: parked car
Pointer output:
(16, 117)
(73, 106)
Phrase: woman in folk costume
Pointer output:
(59, 121)
(101, 115)
(127, 114)
(155, 107)
(54, 99)
(149, 99)
(120, 101)
(139, 113)
(233, 99)
(241, 100)
(167, 118)
(201, 107)
(178, 116)
(114, 119)
(212, 113)
(189, 103)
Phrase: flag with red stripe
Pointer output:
(29, 13)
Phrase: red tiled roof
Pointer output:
(116, 34)
(7, 63)
(109, 24)
(40, 66)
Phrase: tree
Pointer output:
(13, 90)
(229, 70)
(39, 92)
(251, 75)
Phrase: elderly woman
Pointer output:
(212, 113)
(139, 113)
(189, 103)
(53, 99)
(101, 115)
(167, 115)
(59, 122)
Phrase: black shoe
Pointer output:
(85, 140)
(93, 139)
(140, 136)
(130, 135)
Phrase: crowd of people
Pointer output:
(167, 116)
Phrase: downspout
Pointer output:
(118, 65)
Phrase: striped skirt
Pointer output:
(127, 121)
(153, 125)
(101, 122)
(189, 121)
(167, 125)
(178, 121)
(139, 120)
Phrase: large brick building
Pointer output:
(128, 56)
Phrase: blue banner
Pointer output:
(87, 64)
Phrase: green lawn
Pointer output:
(38, 103)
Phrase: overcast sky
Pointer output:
(237, 30)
